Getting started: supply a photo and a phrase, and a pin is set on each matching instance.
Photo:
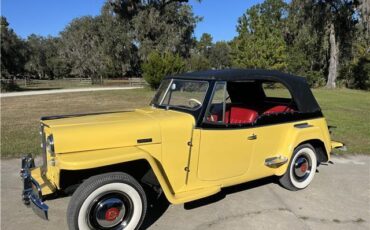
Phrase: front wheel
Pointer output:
(301, 169)
(107, 201)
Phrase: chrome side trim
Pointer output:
(275, 162)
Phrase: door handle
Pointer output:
(252, 137)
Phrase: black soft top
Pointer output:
(297, 86)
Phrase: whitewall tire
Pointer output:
(301, 169)
(107, 201)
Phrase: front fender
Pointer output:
(106, 157)
(99, 158)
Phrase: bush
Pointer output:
(361, 73)
(9, 86)
(356, 75)
(160, 65)
(315, 79)
(198, 62)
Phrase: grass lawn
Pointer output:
(349, 110)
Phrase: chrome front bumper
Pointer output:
(32, 194)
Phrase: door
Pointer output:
(225, 152)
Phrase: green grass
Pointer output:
(349, 110)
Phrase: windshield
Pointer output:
(185, 94)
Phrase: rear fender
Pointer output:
(297, 137)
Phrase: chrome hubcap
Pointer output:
(110, 211)
(302, 167)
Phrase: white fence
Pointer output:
(68, 82)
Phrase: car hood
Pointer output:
(109, 130)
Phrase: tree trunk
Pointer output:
(334, 57)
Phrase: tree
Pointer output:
(14, 52)
(36, 63)
(204, 44)
(197, 62)
(80, 42)
(260, 43)
(219, 55)
(118, 45)
(56, 67)
(162, 25)
(356, 72)
(160, 65)
(306, 53)
(43, 56)
(364, 7)
(335, 21)
(115, 43)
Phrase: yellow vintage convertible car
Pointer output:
(202, 131)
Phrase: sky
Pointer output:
(49, 17)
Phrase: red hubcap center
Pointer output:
(111, 214)
(304, 167)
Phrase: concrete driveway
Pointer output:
(338, 198)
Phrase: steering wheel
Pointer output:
(198, 103)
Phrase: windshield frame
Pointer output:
(180, 108)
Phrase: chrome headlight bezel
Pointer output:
(50, 145)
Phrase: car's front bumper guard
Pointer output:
(32, 194)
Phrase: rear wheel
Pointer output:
(301, 169)
(107, 201)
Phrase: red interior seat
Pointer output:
(240, 115)
(278, 109)
(213, 117)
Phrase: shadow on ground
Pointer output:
(158, 206)
(229, 190)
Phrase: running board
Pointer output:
(275, 162)
(196, 194)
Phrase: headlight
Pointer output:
(50, 145)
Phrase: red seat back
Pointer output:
(278, 109)
(240, 115)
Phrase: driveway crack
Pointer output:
(287, 208)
